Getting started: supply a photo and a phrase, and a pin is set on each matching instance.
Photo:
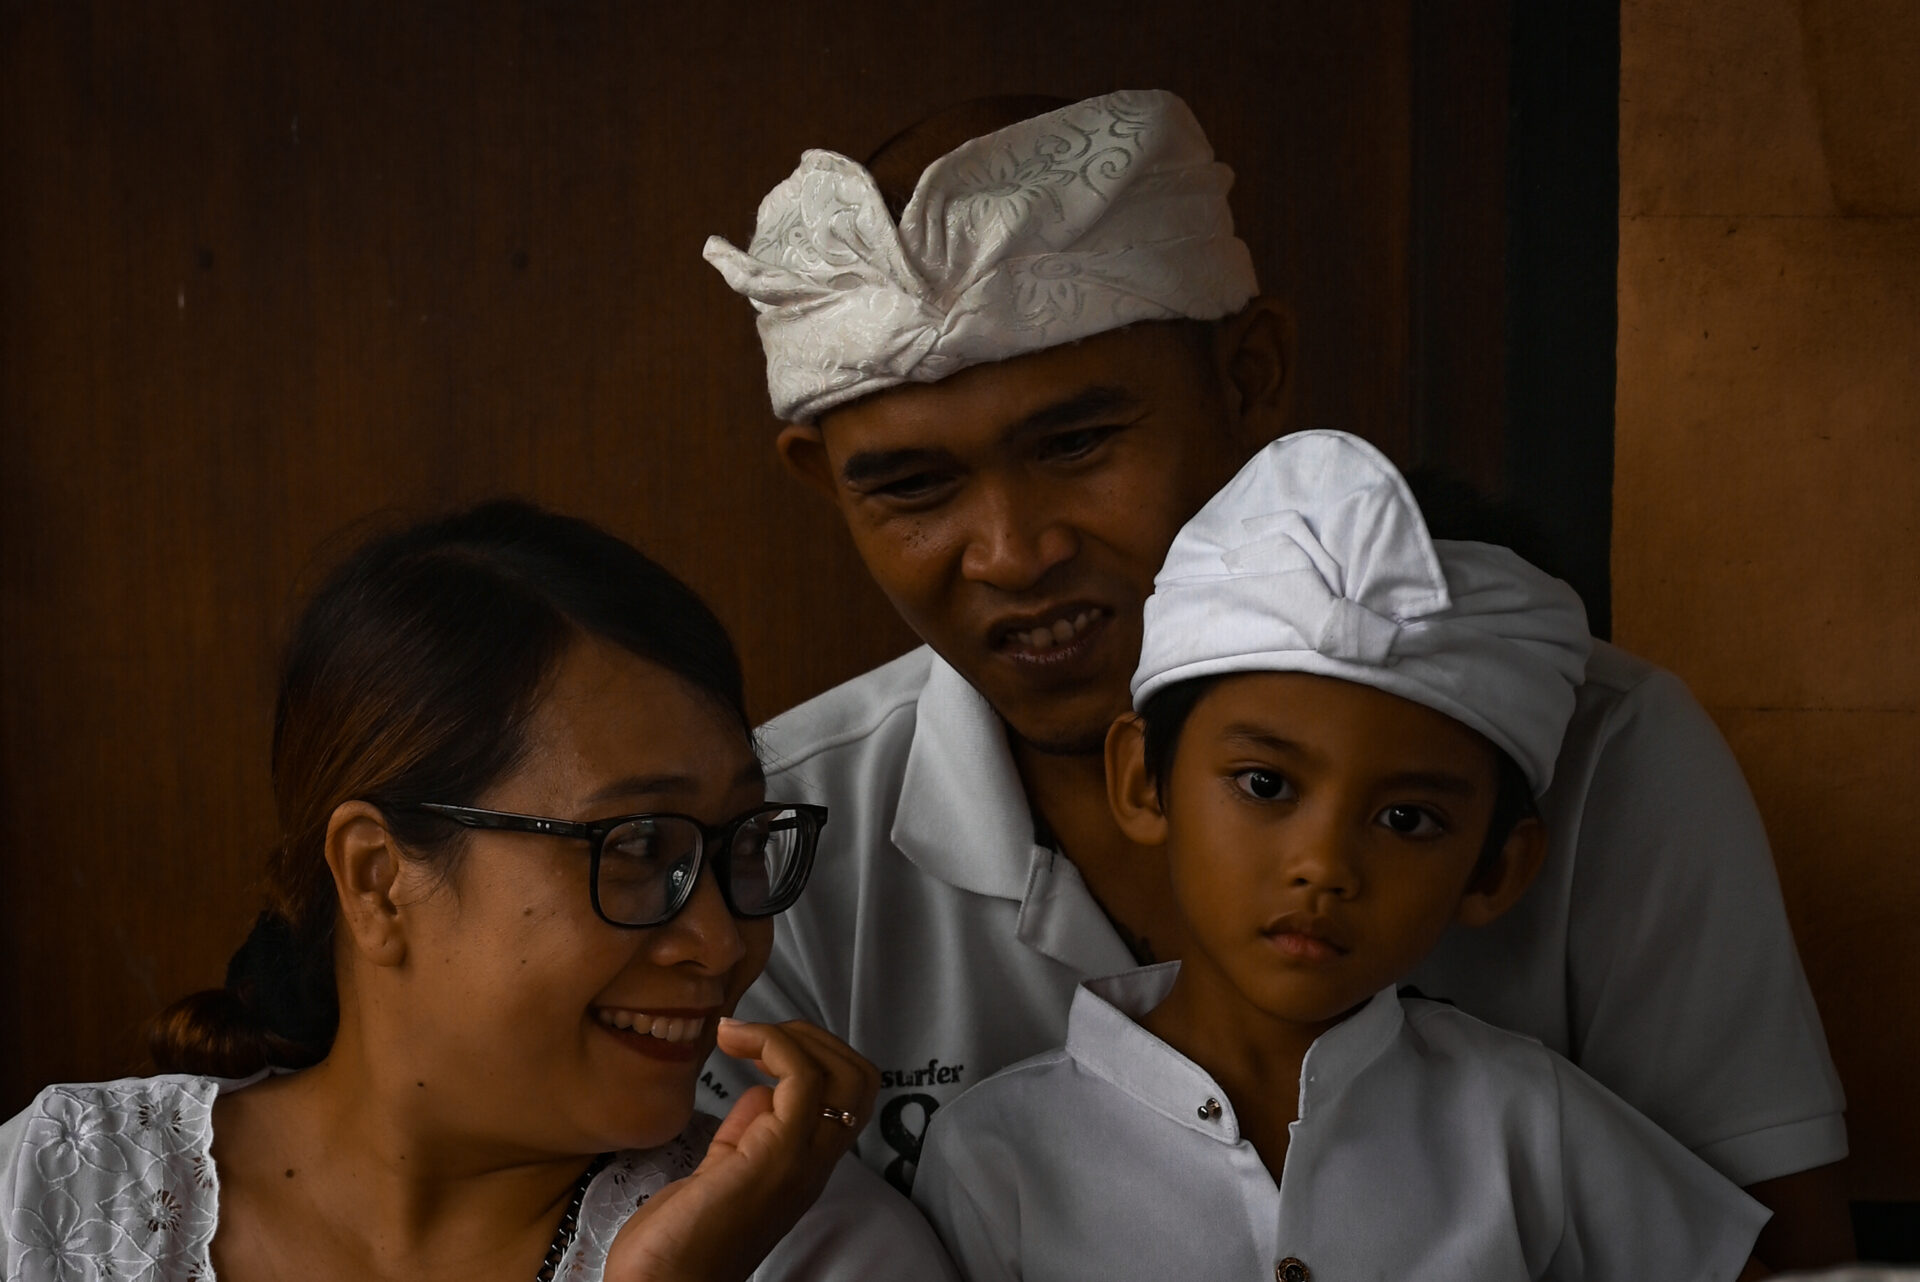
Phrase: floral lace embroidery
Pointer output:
(116, 1180)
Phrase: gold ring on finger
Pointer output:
(841, 1115)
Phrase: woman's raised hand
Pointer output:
(767, 1163)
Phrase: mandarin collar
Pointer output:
(1104, 1037)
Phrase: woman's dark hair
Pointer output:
(1166, 711)
(409, 678)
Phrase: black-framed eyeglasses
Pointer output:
(644, 867)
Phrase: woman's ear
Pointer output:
(1496, 887)
(1133, 794)
(804, 451)
(365, 861)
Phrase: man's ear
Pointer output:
(1496, 887)
(1133, 795)
(804, 452)
(1253, 354)
(365, 860)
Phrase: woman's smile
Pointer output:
(676, 1035)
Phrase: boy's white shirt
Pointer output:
(1429, 1145)
(944, 943)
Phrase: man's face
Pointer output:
(1016, 513)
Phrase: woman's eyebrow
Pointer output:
(645, 786)
(670, 785)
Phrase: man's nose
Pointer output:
(1014, 539)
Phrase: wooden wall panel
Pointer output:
(267, 271)
(1767, 514)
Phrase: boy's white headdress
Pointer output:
(1064, 226)
(1315, 558)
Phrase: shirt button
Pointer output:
(1210, 1110)
(1291, 1270)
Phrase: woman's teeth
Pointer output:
(1061, 631)
(668, 1028)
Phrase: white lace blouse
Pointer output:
(116, 1180)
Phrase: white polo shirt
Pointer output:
(944, 943)
(1429, 1145)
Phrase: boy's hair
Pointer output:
(1165, 713)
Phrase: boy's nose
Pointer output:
(1323, 862)
(1013, 542)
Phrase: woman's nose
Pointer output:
(1014, 539)
(704, 932)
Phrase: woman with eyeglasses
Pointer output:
(526, 867)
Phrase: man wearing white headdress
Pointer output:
(1016, 383)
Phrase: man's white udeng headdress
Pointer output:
(1064, 226)
(1315, 558)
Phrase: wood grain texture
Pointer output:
(272, 272)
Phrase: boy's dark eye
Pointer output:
(1264, 785)
(1411, 821)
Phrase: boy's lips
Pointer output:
(1308, 937)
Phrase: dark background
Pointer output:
(266, 270)
(273, 274)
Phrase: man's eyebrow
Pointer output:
(1087, 403)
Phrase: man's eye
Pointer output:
(1264, 785)
(1068, 447)
(1411, 821)
(914, 488)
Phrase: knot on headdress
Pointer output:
(1075, 222)
(1315, 558)
(1352, 632)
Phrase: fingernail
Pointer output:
(725, 1020)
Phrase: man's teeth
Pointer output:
(668, 1028)
(1058, 633)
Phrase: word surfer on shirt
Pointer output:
(1341, 727)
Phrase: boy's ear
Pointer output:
(1133, 795)
(1496, 887)
(804, 451)
(365, 860)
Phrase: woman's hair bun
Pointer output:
(286, 983)
(278, 1009)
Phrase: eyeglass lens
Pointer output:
(646, 865)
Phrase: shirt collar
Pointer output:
(963, 814)
(964, 818)
(1104, 1037)
(1339, 1055)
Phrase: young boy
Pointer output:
(1340, 730)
